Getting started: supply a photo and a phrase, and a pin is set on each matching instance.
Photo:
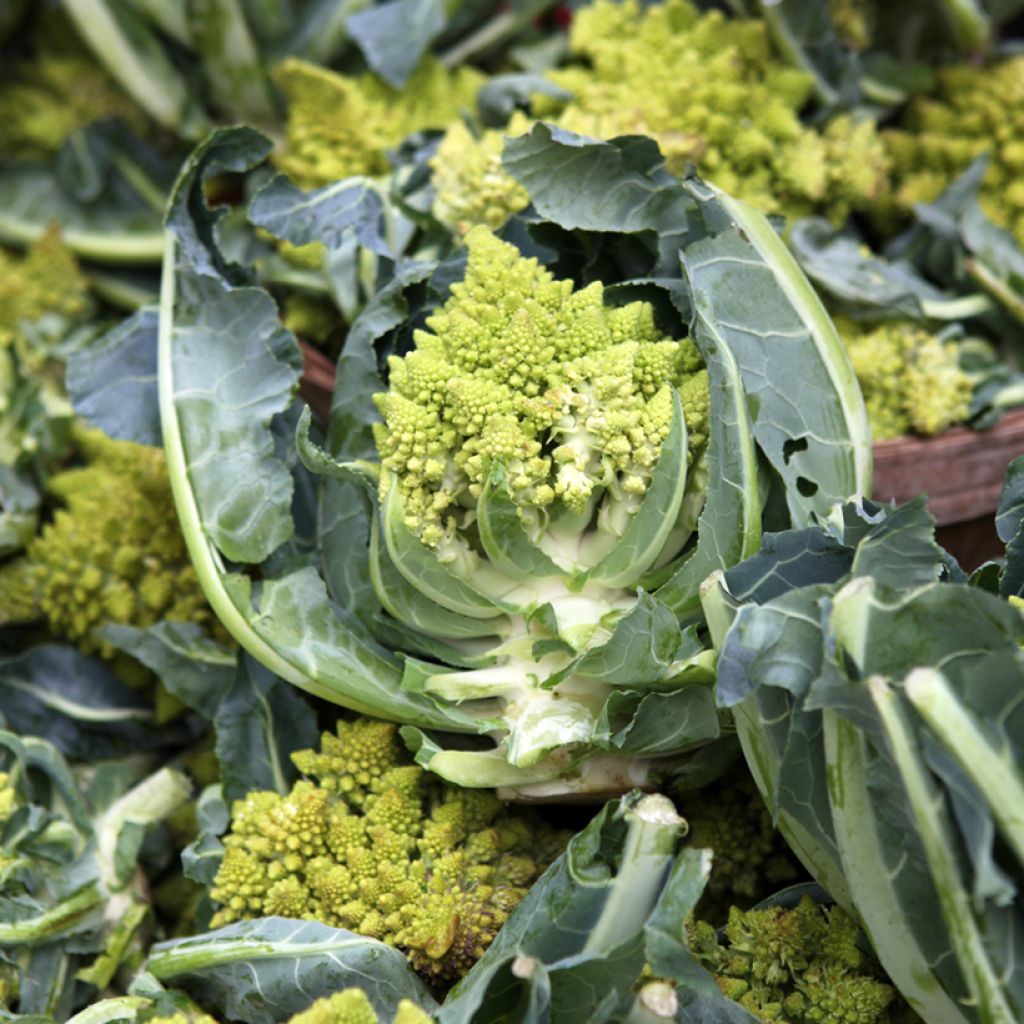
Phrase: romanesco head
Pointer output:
(113, 553)
(340, 125)
(911, 381)
(711, 91)
(60, 89)
(44, 281)
(751, 859)
(796, 966)
(572, 398)
(352, 1006)
(974, 109)
(372, 843)
(472, 188)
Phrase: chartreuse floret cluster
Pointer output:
(975, 109)
(712, 91)
(339, 125)
(910, 379)
(573, 398)
(58, 90)
(351, 1006)
(796, 966)
(471, 186)
(751, 859)
(44, 281)
(113, 554)
(371, 843)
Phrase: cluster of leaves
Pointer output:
(558, 409)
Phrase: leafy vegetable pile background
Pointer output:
(562, 667)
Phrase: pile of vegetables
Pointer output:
(561, 667)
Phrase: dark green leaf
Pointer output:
(260, 722)
(113, 382)
(394, 35)
(329, 215)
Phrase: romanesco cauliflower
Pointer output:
(59, 90)
(44, 281)
(911, 381)
(351, 1006)
(572, 398)
(974, 110)
(372, 843)
(113, 554)
(751, 859)
(711, 90)
(796, 966)
(471, 186)
(339, 126)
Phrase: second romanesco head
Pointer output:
(796, 966)
(910, 379)
(372, 843)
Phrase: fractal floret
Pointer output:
(372, 843)
(340, 126)
(60, 90)
(540, 453)
(796, 966)
(974, 110)
(471, 186)
(911, 380)
(43, 296)
(44, 281)
(106, 561)
(751, 859)
(352, 1006)
(712, 92)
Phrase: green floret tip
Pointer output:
(340, 126)
(974, 109)
(372, 843)
(911, 380)
(572, 398)
(796, 966)
(55, 93)
(472, 188)
(712, 91)
(750, 857)
(106, 561)
(44, 281)
(352, 1006)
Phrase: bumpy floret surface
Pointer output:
(374, 844)
(796, 966)
(911, 381)
(569, 395)
(342, 125)
(975, 109)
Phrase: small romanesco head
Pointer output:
(751, 859)
(573, 398)
(372, 843)
(114, 553)
(352, 1006)
(44, 281)
(798, 966)
(339, 125)
(911, 381)
(472, 188)
(974, 110)
(60, 89)
(712, 91)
